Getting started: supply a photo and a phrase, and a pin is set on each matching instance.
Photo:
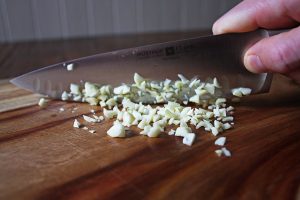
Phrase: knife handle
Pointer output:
(276, 32)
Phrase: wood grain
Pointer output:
(43, 157)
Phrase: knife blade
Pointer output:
(219, 56)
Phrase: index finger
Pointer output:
(252, 14)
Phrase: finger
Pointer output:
(279, 53)
(251, 14)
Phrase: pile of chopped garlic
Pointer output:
(130, 106)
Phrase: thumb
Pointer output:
(279, 53)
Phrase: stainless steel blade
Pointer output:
(211, 56)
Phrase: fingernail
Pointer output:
(254, 64)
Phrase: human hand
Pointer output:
(279, 53)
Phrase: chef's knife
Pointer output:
(218, 56)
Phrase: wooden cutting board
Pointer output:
(43, 157)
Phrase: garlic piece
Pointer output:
(219, 101)
(189, 139)
(91, 90)
(227, 119)
(138, 79)
(226, 152)
(111, 102)
(92, 101)
(154, 131)
(245, 91)
(220, 141)
(239, 92)
(195, 99)
(43, 103)
(109, 113)
(64, 96)
(117, 130)
(70, 67)
(236, 92)
(226, 126)
(171, 132)
(75, 89)
(214, 131)
(182, 131)
(219, 152)
(127, 119)
(123, 89)
(76, 124)
(89, 119)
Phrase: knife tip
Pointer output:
(13, 80)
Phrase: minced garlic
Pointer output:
(212, 114)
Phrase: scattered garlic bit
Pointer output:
(117, 130)
(219, 152)
(223, 151)
(70, 67)
(220, 141)
(61, 109)
(43, 103)
(89, 119)
(189, 139)
(226, 152)
(92, 131)
(76, 124)
(85, 128)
